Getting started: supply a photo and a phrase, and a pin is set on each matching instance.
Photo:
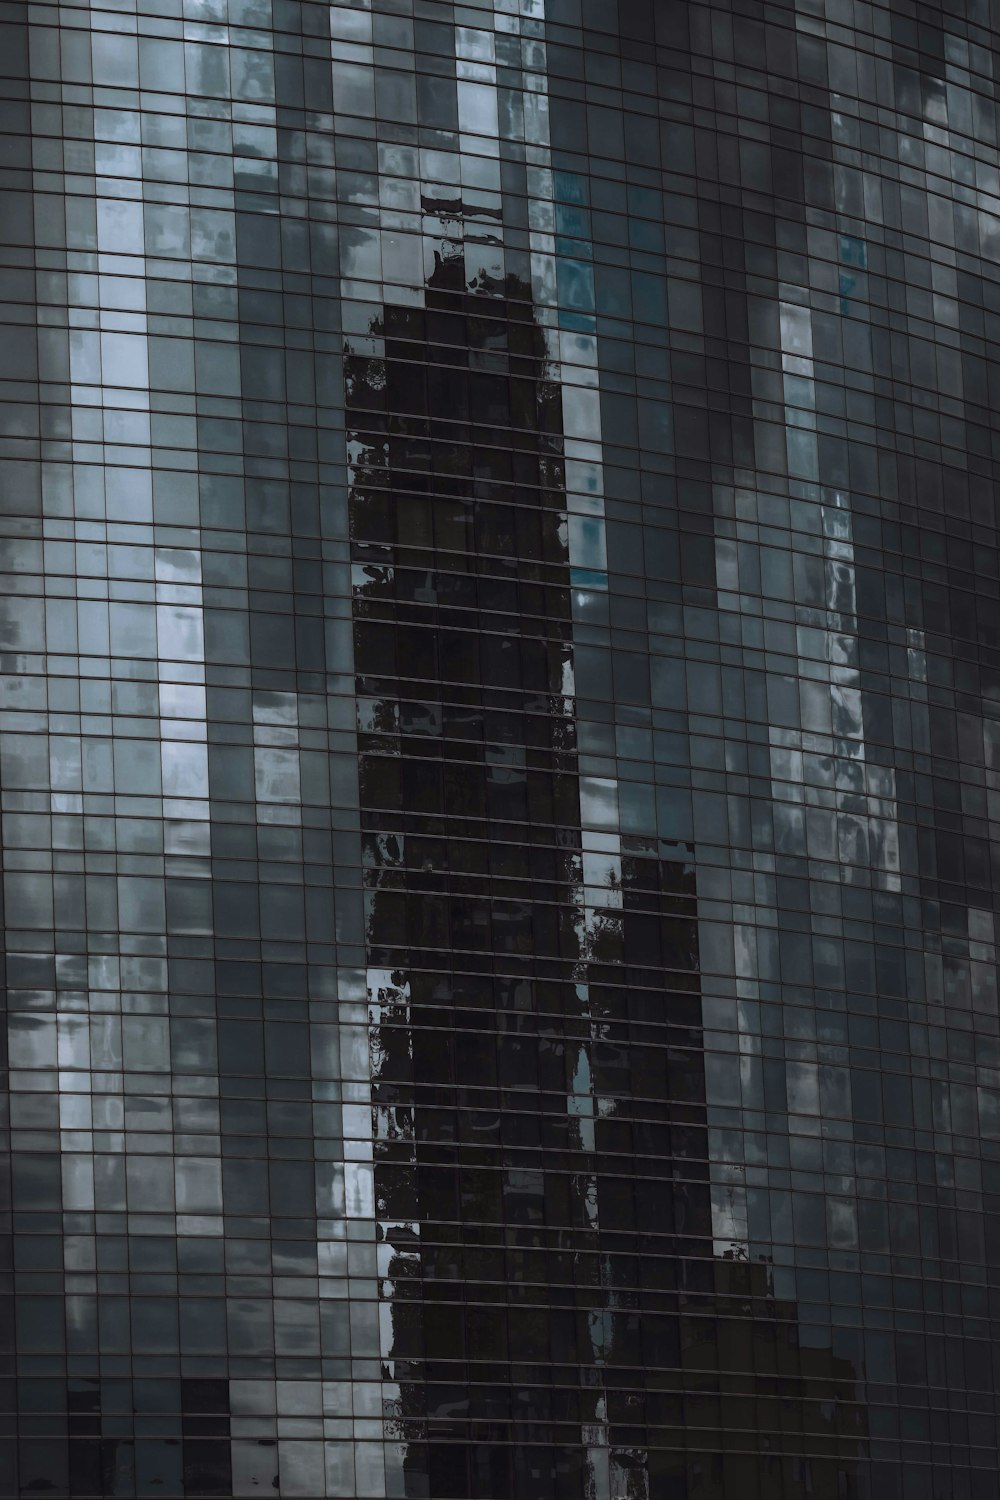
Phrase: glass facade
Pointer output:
(499, 740)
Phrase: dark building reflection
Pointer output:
(521, 1024)
(559, 1326)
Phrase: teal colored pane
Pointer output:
(569, 187)
(570, 247)
(588, 578)
(853, 252)
(574, 222)
(575, 282)
(576, 322)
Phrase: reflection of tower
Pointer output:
(469, 800)
(761, 1413)
(546, 1277)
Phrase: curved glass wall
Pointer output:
(497, 749)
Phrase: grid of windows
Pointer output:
(499, 636)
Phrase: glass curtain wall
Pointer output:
(498, 702)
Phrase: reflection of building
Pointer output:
(757, 1412)
(497, 750)
(538, 1092)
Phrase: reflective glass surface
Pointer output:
(499, 726)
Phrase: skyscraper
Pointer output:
(499, 742)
